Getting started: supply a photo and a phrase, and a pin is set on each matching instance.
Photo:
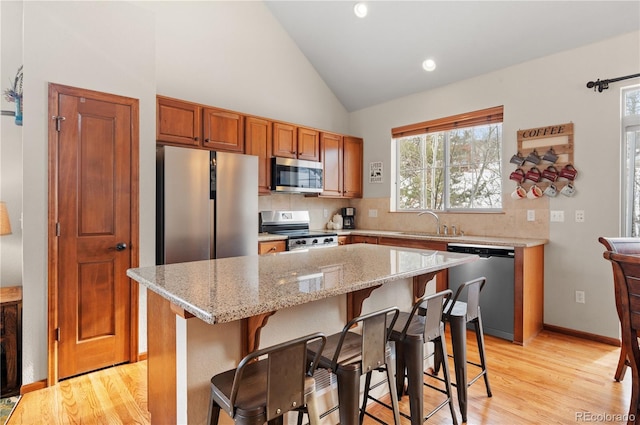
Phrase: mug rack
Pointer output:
(556, 139)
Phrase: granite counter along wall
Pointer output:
(511, 222)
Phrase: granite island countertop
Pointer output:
(229, 289)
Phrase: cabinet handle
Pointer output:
(206, 140)
(195, 138)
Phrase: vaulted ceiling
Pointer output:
(367, 61)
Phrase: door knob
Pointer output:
(121, 246)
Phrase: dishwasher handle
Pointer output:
(483, 251)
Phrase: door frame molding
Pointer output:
(53, 255)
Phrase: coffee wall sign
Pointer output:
(544, 162)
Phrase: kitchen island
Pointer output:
(203, 316)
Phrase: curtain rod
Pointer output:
(604, 84)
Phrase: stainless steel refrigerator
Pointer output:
(206, 205)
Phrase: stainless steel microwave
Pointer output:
(296, 175)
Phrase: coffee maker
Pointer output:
(348, 218)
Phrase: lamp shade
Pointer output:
(5, 224)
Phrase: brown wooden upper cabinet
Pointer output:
(223, 130)
(185, 123)
(342, 165)
(290, 141)
(258, 142)
(178, 122)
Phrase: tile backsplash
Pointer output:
(511, 222)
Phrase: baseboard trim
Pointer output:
(34, 386)
(584, 335)
(142, 356)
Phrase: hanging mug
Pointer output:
(569, 190)
(550, 156)
(551, 191)
(550, 173)
(517, 159)
(534, 192)
(517, 175)
(533, 157)
(533, 174)
(519, 193)
(568, 172)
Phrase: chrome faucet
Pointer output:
(437, 219)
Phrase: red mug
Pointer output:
(533, 174)
(568, 172)
(517, 175)
(550, 173)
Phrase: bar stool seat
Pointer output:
(460, 313)
(260, 391)
(350, 355)
(410, 333)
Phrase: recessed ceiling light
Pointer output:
(360, 9)
(429, 65)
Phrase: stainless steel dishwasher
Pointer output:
(497, 301)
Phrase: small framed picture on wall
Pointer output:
(375, 172)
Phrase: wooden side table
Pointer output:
(11, 339)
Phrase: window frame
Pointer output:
(477, 118)
(628, 123)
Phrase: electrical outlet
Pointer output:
(580, 297)
(373, 213)
(557, 215)
(325, 213)
(579, 216)
(531, 215)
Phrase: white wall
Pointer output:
(11, 146)
(547, 91)
(235, 55)
(103, 46)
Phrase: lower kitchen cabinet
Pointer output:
(271, 247)
(344, 240)
(364, 239)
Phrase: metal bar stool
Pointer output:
(260, 391)
(350, 355)
(410, 333)
(459, 314)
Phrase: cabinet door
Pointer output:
(258, 142)
(364, 239)
(308, 144)
(271, 247)
(178, 122)
(331, 150)
(352, 158)
(285, 140)
(223, 130)
(344, 240)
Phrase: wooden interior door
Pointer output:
(94, 211)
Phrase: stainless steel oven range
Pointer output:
(295, 225)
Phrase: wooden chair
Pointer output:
(260, 391)
(626, 269)
(620, 246)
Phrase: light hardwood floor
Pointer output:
(554, 379)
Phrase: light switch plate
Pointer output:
(373, 213)
(557, 215)
(531, 215)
